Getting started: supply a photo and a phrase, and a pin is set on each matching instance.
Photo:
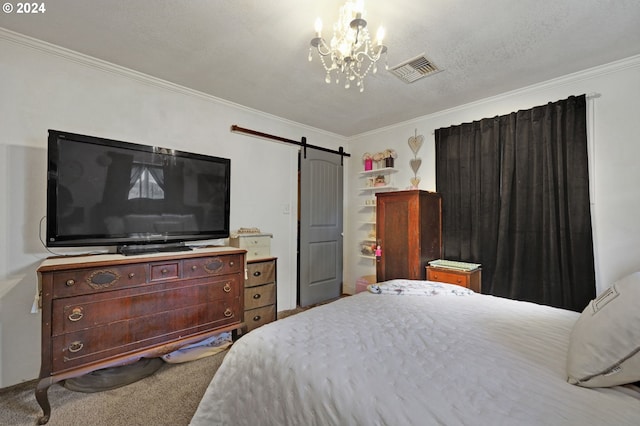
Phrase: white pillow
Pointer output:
(604, 349)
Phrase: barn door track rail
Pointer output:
(303, 142)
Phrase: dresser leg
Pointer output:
(43, 399)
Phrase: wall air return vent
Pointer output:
(414, 69)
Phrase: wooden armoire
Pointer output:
(409, 232)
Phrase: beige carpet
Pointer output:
(170, 396)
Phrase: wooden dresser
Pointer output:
(260, 293)
(469, 279)
(107, 310)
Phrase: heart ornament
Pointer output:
(415, 143)
(415, 181)
(415, 164)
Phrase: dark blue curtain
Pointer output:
(515, 191)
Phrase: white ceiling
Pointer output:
(254, 52)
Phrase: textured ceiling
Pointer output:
(254, 53)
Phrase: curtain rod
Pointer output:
(237, 129)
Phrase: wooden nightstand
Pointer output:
(471, 279)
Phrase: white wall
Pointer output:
(614, 138)
(44, 87)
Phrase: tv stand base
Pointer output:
(133, 250)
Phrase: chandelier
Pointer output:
(351, 54)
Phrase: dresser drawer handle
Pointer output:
(257, 296)
(435, 276)
(75, 315)
(164, 271)
(459, 280)
(226, 288)
(75, 346)
(131, 275)
(194, 267)
(69, 283)
(228, 312)
(257, 318)
(232, 263)
(257, 273)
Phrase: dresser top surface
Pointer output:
(54, 263)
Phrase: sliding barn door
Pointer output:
(320, 255)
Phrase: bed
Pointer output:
(443, 357)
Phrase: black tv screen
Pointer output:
(106, 192)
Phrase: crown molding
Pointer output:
(108, 67)
(589, 73)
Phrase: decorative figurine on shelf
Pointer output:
(378, 157)
(379, 181)
(378, 253)
(368, 161)
(367, 249)
(415, 143)
(389, 156)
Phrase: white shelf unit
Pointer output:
(382, 171)
(368, 207)
(371, 175)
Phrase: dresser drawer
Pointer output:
(213, 265)
(83, 312)
(255, 297)
(469, 279)
(165, 271)
(254, 318)
(448, 277)
(258, 252)
(89, 345)
(88, 281)
(251, 241)
(259, 273)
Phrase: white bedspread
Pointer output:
(375, 359)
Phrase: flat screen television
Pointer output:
(140, 198)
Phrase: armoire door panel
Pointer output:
(408, 229)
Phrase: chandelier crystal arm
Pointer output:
(321, 46)
(377, 53)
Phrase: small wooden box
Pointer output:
(258, 246)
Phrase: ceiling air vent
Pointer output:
(414, 69)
